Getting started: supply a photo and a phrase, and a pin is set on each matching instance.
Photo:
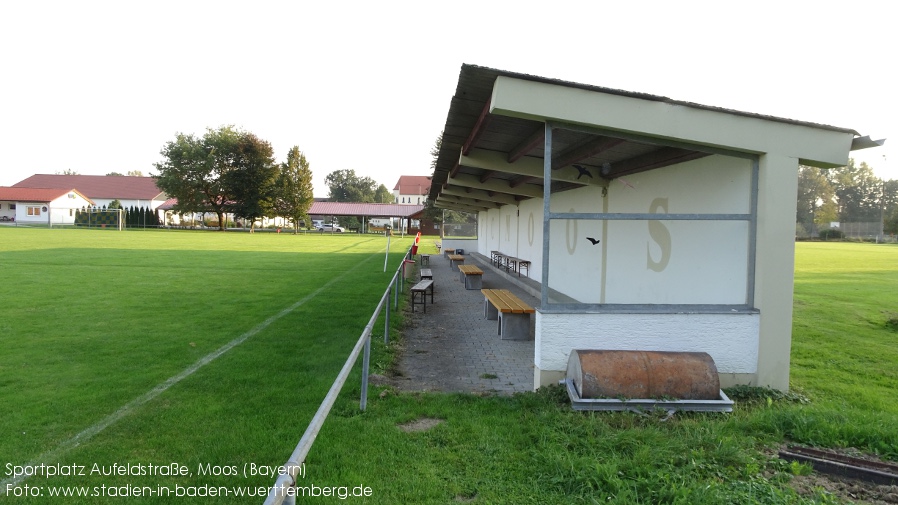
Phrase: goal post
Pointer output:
(113, 219)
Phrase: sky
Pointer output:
(101, 86)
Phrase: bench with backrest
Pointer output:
(512, 312)
(471, 276)
(420, 289)
(455, 260)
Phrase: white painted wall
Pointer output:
(59, 211)
(641, 262)
(99, 202)
(730, 339)
(655, 262)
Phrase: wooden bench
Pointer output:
(425, 259)
(438, 245)
(471, 276)
(448, 252)
(513, 314)
(421, 288)
(455, 260)
(426, 273)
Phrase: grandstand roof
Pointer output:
(98, 186)
(364, 209)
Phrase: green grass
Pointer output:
(532, 448)
(92, 320)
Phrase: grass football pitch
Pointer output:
(163, 347)
(95, 326)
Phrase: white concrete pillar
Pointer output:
(775, 266)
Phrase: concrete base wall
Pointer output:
(730, 339)
(469, 245)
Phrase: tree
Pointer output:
(383, 195)
(202, 173)
(135, 173)
(431, 212)
(115, 174)
(68, 171)
(816, 205)
(858, 192)
(251, 180)
(293, 189)
(346, 186)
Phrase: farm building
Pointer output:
(40, 205)
(650, 224)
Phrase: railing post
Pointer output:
(387, 316)
(367, 358)
(396, 292)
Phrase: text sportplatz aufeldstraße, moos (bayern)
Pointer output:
(247, 470)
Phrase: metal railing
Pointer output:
(281, 492)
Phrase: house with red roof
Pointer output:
(103, 189)
(412, 189)
(46, 206)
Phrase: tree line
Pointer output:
(849, 194)
(229, 170)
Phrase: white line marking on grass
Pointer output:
(107, 421)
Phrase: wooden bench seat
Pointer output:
(512, 312)
(455, 260)
(438, 245)
(471, 276)
(426, 273)
(448, 252)
(421, 289)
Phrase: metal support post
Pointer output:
(367, 358)
(387, 316)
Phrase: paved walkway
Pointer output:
(454, 348)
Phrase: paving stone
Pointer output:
(452, 346)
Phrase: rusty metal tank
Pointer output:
(643, 374)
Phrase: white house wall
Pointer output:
(127, 204)
(59, 211)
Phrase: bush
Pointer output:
(830, 234)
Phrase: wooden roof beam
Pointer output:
(478, 128)
(649, 161)
(585, 150)
(530, 143)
